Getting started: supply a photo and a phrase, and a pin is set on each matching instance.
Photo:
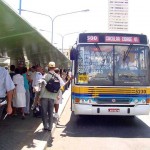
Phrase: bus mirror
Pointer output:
(73, 54)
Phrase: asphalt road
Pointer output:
(100, 132)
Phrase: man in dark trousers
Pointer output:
(47, 100)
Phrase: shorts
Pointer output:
(59, 100)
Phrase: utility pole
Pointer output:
(20, 4)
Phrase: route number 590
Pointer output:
(91, 38)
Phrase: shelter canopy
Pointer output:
(19, 40)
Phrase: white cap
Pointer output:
(51, 64)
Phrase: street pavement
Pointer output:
(18, 134)
(91, 132)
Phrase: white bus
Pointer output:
(111, 74)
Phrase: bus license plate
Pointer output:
(113, 110)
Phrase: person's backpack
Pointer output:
(53, 85)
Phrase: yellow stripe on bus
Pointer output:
(111, 90)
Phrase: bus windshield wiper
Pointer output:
(97, 46)
(127, 52)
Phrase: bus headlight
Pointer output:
(143, 101)
(82, 100)
(136, 101)
(90, 100)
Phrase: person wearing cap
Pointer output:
(47, 100)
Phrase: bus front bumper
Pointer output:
(80, 109)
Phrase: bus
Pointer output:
(111, 74)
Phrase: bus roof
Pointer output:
(112, 38)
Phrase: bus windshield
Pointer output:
(109, 65)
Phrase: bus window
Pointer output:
(95, 63)
(111, 65)
(133, 69)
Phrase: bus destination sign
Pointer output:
(122, 39)
(112, 38)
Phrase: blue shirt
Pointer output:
(26, 83)
(6, 83)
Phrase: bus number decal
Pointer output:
(91, 38)
(140, 91)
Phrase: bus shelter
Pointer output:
(19, 41)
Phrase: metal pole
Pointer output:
(52, 19)
(52, 31)
(63, 36)
(20, 4)
(42, 15)
(62, 44)
(64, 15)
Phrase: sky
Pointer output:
(68, 26)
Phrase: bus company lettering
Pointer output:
(122, 39)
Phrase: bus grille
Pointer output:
(113, 101)
(97, 90)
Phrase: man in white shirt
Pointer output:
(36, 85)
(6, 89)
(59, 98)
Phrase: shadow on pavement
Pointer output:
(17, 133)
(106, 126)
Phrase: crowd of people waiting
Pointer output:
(30, 93)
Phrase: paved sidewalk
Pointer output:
(18, 134)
